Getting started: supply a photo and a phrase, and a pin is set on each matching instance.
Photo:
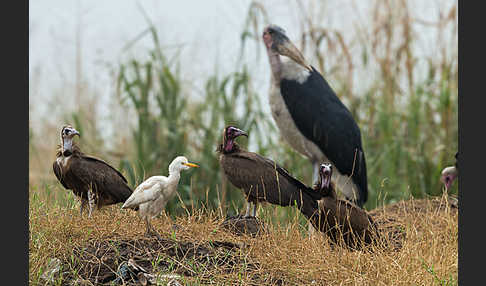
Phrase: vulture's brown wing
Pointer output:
(265, 179)
(286, 174)
(101, 162)
(58, 172)
(359, 219)
(107, 180)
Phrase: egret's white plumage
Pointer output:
(152, 195)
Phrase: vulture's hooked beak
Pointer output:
(241, 132)
(75, 132)
(325, 181)
(190, 165)
(288, 49)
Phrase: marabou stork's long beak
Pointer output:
(288, 49)
(190, 165)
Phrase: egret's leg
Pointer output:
(156, 233)
(147, 223)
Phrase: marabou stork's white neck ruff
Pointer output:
(152, 195)
(312, 119)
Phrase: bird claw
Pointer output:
(157, 235)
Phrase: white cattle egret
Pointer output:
(151, 196)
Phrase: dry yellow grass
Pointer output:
(284, 256)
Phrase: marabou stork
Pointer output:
(341, 218)
(91, 179)
(449, 174)
(312, 119)
(261, 179)
(151, 196)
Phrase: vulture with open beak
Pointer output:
(341, 218)
(151, 196)
(312, 119)
(93, 180)
(261, 179)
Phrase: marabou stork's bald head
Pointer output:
(230, 133)
(276, 41)
(325, 173)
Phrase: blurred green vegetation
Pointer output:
(409, 133)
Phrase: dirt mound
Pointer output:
(143, 261)
(418, 206)
(390, 219)
(244, 225)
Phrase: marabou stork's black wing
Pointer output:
(106, 180)
(323, 119)
(456, 164)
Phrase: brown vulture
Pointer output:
(340, 218)
(261, 179)
(91, 179)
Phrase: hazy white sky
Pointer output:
(209, 32)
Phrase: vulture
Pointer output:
(449, 174)
(340, 218)
(261, 179)
(151, 196)
(93, 180)
(312, 119)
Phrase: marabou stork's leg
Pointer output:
(254, 209)
(315, 173)
(311, 230)
(248, 206)
(91, 201)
